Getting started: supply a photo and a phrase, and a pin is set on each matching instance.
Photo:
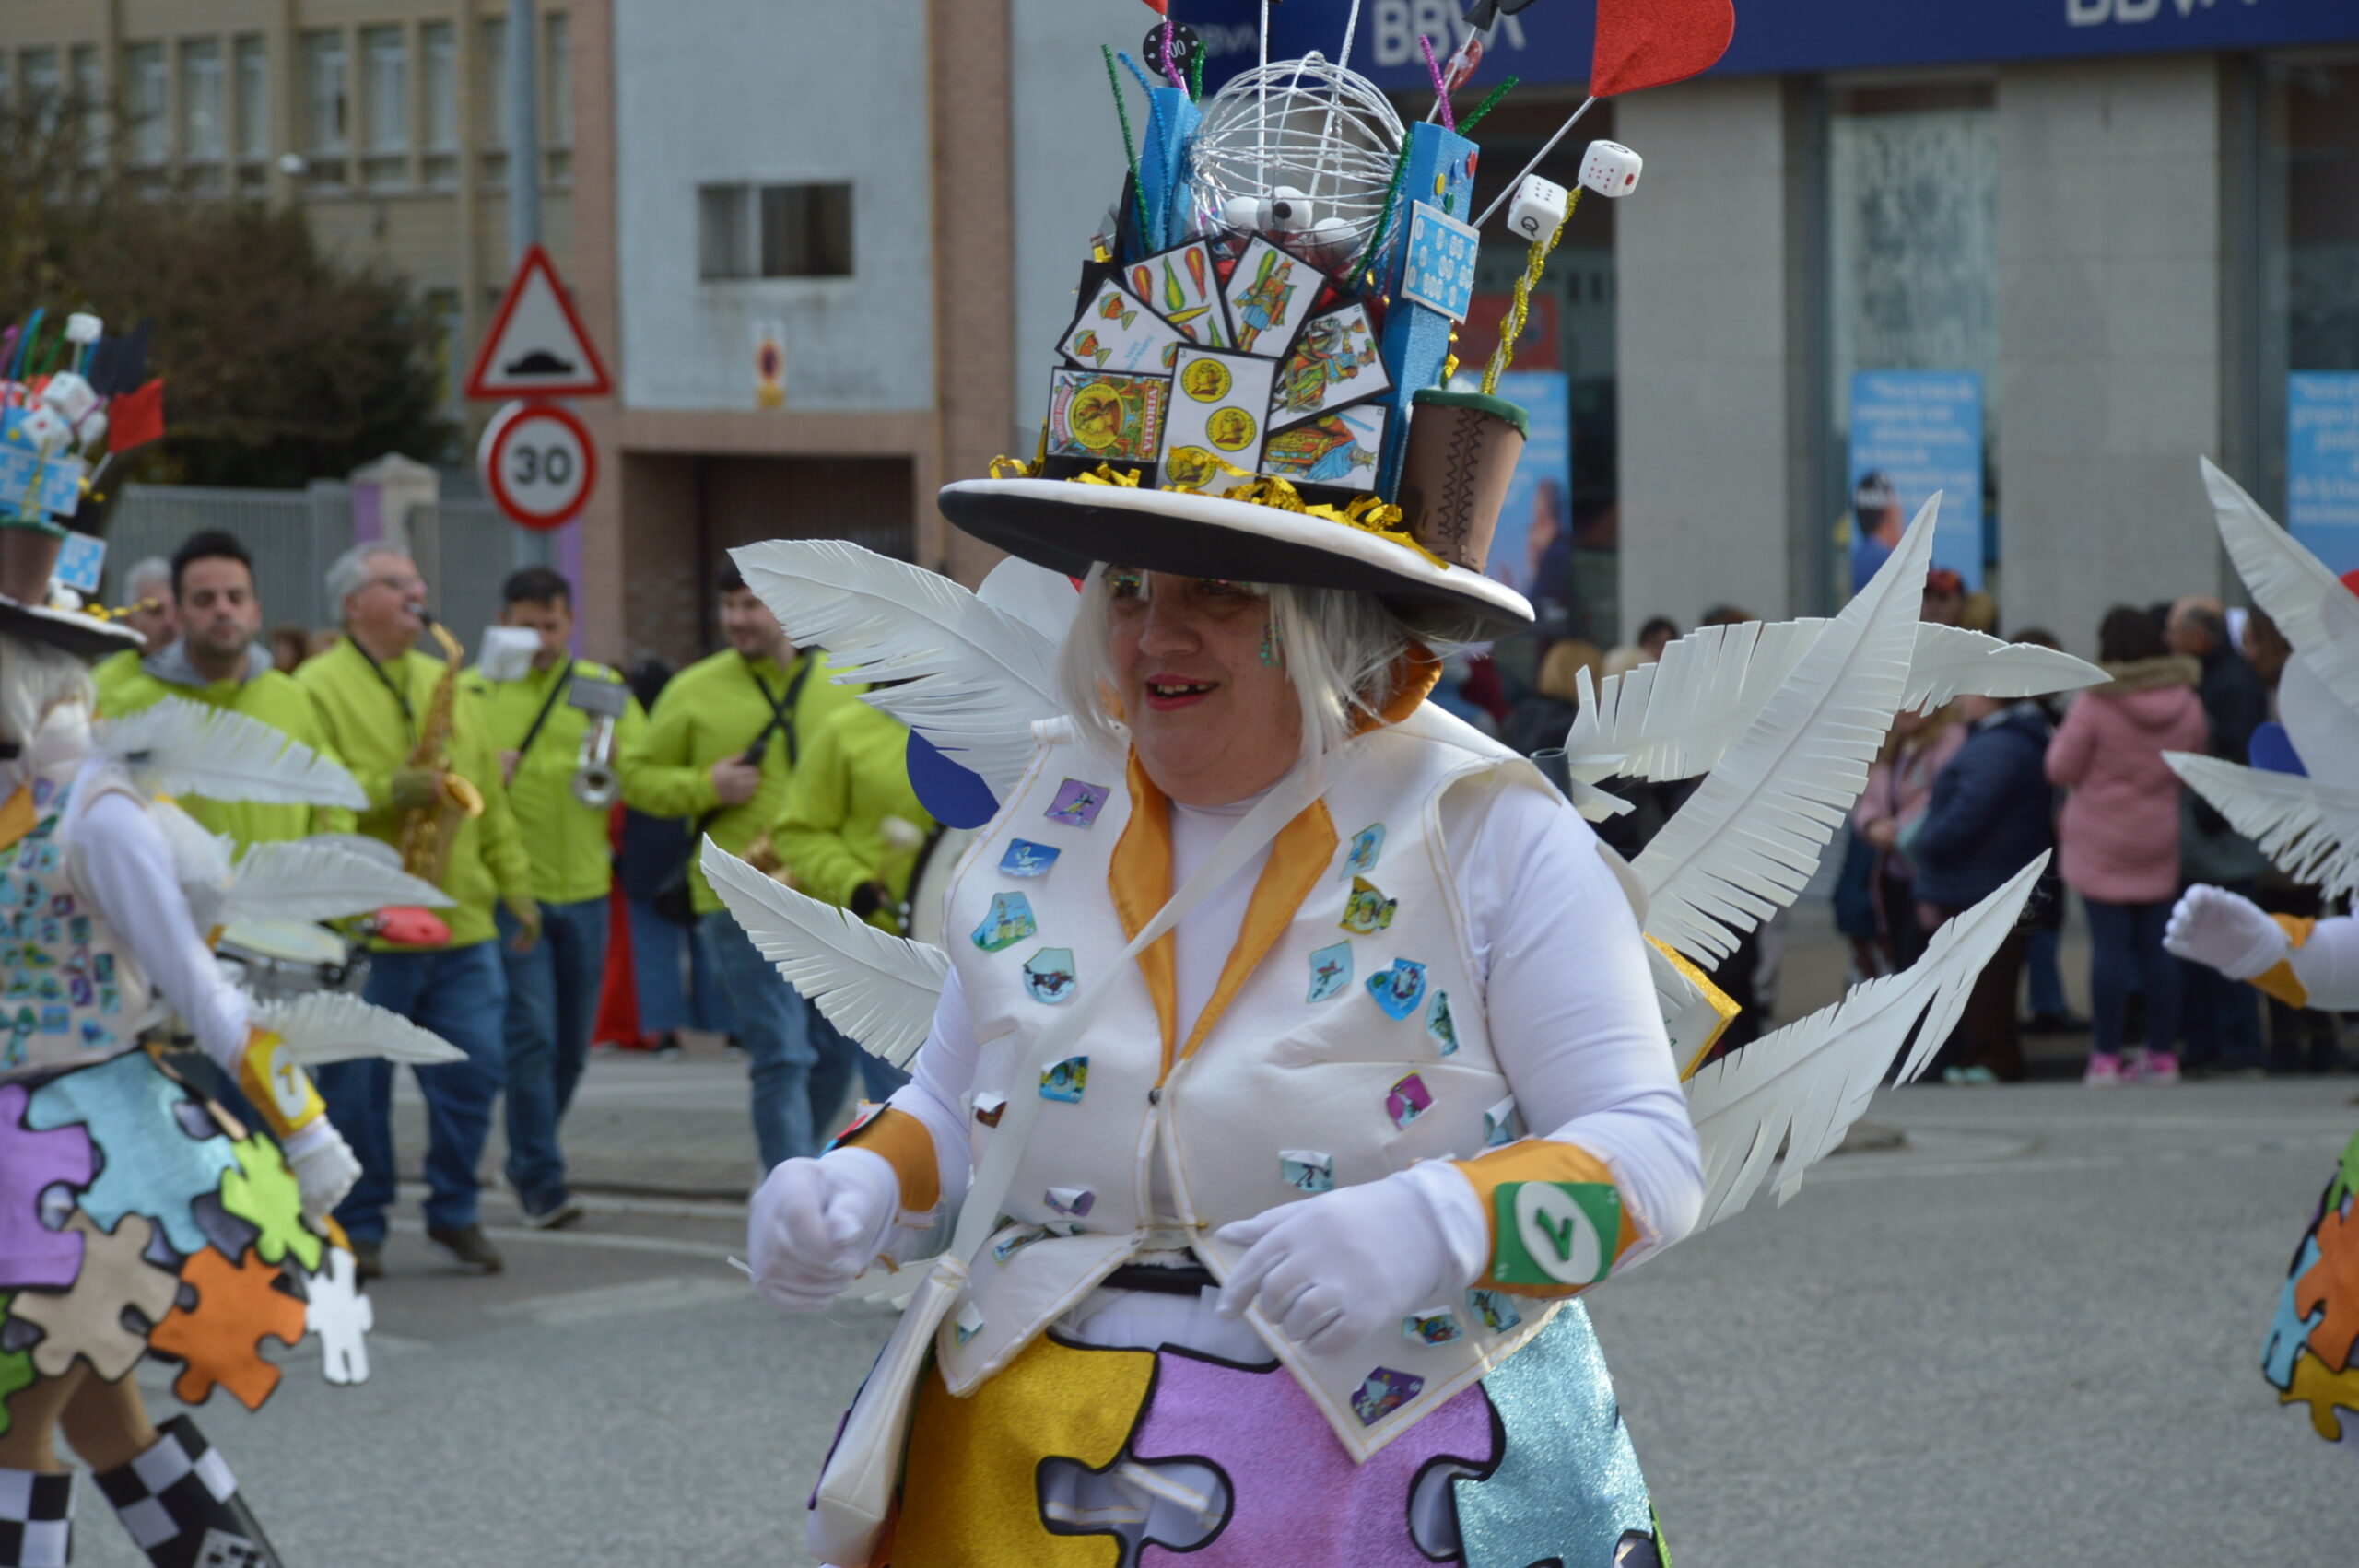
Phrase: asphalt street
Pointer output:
(2029, 1335)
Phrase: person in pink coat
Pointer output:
(2119, 833)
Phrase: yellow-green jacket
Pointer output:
(271, 698)
(565, 840)
(713, 710)
(835, 833)
(372, 735)
(111, 674)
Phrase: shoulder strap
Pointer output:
(549, 706)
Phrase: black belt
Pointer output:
(1186, 1279)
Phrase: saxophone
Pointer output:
(429, 832)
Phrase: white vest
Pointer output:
(71, 993)
(1307, 1079)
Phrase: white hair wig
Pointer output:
(349, 573)
(36, 680)
(1337, 647)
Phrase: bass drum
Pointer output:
(922, 912)
(279, 960)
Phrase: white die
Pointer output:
(44, 430)
(1610, 169)
(83, 327)
(69, 395)
(1538, 208)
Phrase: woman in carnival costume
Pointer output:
(2300, 801)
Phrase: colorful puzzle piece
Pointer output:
(238, 1306)
(262, 1192)
(2290, 1327)
(1568, 1487)
(15, 1372)
(86, 1321)
(2327, 1393)
(342, 1316)
(30, 1160)
(2332, 1283)
(1296, 1496)
(148, 1162)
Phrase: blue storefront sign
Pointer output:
(1549, 42)
(1921, 431)
(2322, 465)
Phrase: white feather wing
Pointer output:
(1950, 663)
(2317, 614)
(200, 862)
(325, 1026)
(976, 678)
(178, 747)
(2309, 829)
(1673, 719)
(879, 989)
(1745, 844)
(304, 880)
(1803, 1086)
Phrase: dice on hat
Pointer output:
(1539, 206)
(84, 327)
(43, 430)
(70, 395)
(1610, 169)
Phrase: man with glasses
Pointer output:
(147, 610)
(372, 692)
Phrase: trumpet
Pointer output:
(596, 779)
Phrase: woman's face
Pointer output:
(1213, 717)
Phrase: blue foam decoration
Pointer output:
(2290, 1330)
(2272, 751)
(150, 1164)
(1171, 123)
(1568, 1488)
(957, 796)
(1416, 345)
(1416, 339)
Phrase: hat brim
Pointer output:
(84, 636)
(1067, 527)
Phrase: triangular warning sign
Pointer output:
(537, 345)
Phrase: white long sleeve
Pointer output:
(121, 857)
(2328, 964)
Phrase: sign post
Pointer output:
(537, 460)
(538, 463)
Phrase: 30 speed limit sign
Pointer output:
(538, 463)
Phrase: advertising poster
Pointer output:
(1914, 432)
(2322, 465)
(1532, 551)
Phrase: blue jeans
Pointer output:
(2045, 980)
(552, 1006)
(2126, 941)
(657, 962)
(459, 994)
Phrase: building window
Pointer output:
(438, 49)
(145, 101)
(2308, 334)
(202, 139)
(494, 55)
(38, 74)
(253, 100)
(326, 94)
(385, 51)
(556, 82)
(748, 231)
(90, 100)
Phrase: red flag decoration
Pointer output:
(1644, 43)
(1161, 7)
(137, 417)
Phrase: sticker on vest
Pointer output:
(1501, 1125)
(1077, 804)
(1065, 1079)
(1307, 1170)
(1024, 858)
(1385, 1392)
(1366, 911)
(1440, 1026)
(1408, 1100)
(1016, 1241)
(1073, 1202)
(1436, 1325)
(1497, 1309)
(1008, 922)
(1047, 976)
(1366, 845)
(1330, 971)
(1554, 1232)
(969, 1323)
(988, 1108)
(1399, 990)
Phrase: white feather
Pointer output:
(304, 880)
(200, 862)
(1804, 1085)
(1673, 718)
(1950, 663)
(372, 849)
(325, 1026)
(178, 747)
(975, 678)
(879, 989)
(2317, 614)
(1041, 599)
(2309, 829)
(1745, 844)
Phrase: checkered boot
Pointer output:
(36, 1520)
(181, 1504)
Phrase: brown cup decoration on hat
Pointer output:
(27, 560)
(1463, 452)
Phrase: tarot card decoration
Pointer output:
(1182, 287)
(1216, 429)
(1400, 988)
(1009, 922)
(1334, 361)
(1049, 980)
(1341, 449)
(1024, 858)
(1077, 804)
(1115, 332)
(1330, 971)
(1268, 295)
(1099, 417)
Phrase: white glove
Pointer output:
(325, 1167)
(2213, 926)
(1350, 1265)
(814, 1225)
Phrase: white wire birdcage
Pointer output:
(1305, 125)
